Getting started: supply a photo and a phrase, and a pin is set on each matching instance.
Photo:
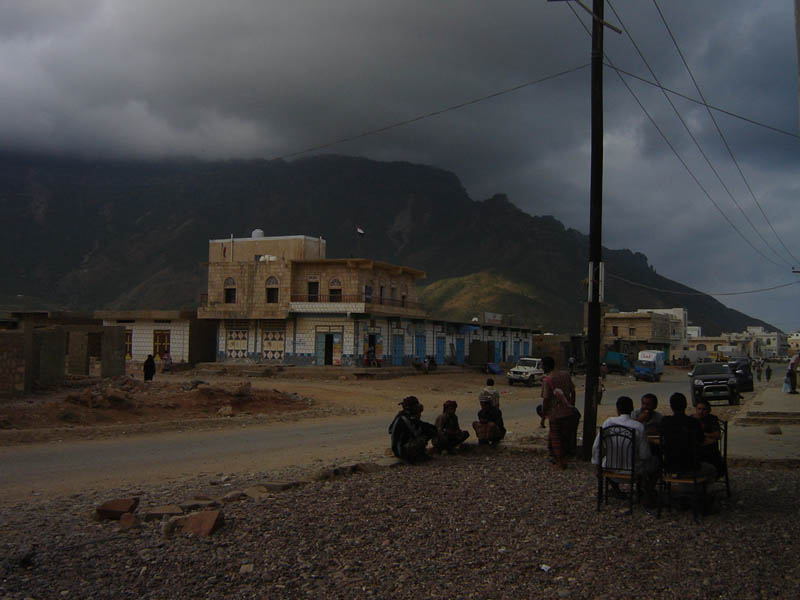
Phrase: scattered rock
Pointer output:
(257, 492)
(159, 512)
(128, 521)
(233, 496)
(244, 390)
(197, 504)
(246, 568)
(114, 509)
(279, 486)
(202, 523)
(225, 411)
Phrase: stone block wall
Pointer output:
(12, 363)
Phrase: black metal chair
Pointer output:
(618, 460)
(677, 450)
(723, 448)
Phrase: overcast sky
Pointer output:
(266, 78)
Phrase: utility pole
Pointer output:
(595, 229)
(595, 235)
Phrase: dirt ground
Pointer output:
(92, 408)
(89, 408)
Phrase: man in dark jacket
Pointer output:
(410, 435)
(489, 428)
(449, 434)
(683, 436)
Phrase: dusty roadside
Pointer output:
(97, 409)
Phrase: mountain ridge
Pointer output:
(89, 234)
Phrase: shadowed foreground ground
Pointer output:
(496, 525)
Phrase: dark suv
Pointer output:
(714, 381)
(742, 370)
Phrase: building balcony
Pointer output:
(354, 303)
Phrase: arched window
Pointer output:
(368, 291)
(273, 293)
(701, 347)
(334, 290)
(230, 291)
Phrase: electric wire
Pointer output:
(721, 135)
(677, 155)
(429, 114)
(655, 289)
(694, 138)
(701, 103)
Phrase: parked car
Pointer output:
(714, 381)
(742, 368)
(526, 371)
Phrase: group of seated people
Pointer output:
(690, 442)
(410, 434)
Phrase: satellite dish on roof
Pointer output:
(257, 233)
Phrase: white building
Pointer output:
(678, 328)
(771, 344)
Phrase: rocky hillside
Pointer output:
(89, 234)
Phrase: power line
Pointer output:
(430, 114)
(647, 287)
(701, 103)
(678, 156)
(722, 136)
(696, 141)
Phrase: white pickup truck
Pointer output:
(527, 371)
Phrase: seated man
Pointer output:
(648, 415)
(489, 427)
(683, 435)
(449, 434)
(646, 463)
(708, 452)
(409, 434)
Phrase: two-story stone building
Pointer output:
(631, 332)
(280, 299)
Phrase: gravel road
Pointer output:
(484, 525)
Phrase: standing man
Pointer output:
(558, 406)
(792, 372)
(571, 366)
(491, 392)
(149, 368)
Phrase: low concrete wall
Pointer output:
(78, 353)
(50, 347)
(112, 357)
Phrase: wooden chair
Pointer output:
(618, 460)
(671, 474)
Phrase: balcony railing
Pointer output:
(373, 300)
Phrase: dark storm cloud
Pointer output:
(265, 79)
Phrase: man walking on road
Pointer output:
(792, 372)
